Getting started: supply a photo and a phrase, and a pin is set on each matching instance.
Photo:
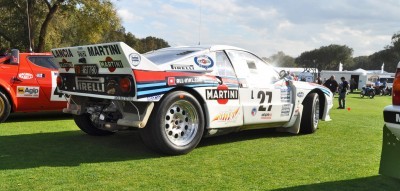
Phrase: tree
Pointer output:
(60, 22)
(326, 57)
(282, 60)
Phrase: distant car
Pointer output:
(390, 165)
(175, 96)
(28, 84)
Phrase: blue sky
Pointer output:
(265, 26)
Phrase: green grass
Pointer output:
(48, 152)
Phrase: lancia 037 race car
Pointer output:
(175, 96)
(28, 84)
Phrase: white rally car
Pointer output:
(175, 96)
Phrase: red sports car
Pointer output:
(28, 84)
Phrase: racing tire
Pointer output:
(86, 125)
(361, 94)
(5, 107)
(176, 126)
(311, 114)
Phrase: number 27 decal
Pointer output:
(261, 95)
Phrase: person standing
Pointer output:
(353, 85)
(344, 86)
(332, 84)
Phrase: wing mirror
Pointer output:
(14, 56)
(282, 74)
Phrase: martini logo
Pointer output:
(222, 94)
(226, 116)
(65, 64)
(204, 61)
(111, 64)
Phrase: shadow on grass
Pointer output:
(37, 116)
(368, 183)
(72, 148)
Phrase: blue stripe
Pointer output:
(162, 90)
(151, 85)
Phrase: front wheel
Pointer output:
(5, 107)
(371, 95)
(177, 124)
(310, 117)
(87, 125)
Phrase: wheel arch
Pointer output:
(8, 94)
(322, 100)
(198, 97)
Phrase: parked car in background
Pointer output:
(28, 84)
(176, 96)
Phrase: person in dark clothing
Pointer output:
(344, 86)
(332, 84)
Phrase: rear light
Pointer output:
(59, 82)
(396, 87)
(125, 85)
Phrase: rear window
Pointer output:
(164, 56)
(44, 61)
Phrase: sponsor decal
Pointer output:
(154, 98)
(25, 76)
(254, 111)
(111, 64)
(266, 116)
(204, 61)
(103, 50)
(90, 84)
(182, 67)
(183, 80)
(134, 59)
(285, 94)
(226, 116)
(81, 52)
(28, 91)
(63, 53)
(222, 94)
(65, 64)
(300, 94)
(285, 110)
(40, 75)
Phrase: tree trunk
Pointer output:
(45, 25)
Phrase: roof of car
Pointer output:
(204, 47)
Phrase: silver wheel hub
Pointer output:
(181, 123)
(316, 113)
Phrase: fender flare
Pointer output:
(10, 93)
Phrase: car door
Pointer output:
(264, 97)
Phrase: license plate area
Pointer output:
(86, 69)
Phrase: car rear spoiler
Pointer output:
(117, 55)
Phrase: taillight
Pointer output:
(396, 87)
(125, 85)
(59, 82)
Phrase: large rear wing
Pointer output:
(116, 58)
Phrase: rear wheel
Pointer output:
(5, 107)
(371, 94)
(87, 125)
(310, 117)
(176, 126)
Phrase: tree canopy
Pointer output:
(58, 23)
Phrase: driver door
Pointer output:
(264, 97)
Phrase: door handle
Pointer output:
(15, 80)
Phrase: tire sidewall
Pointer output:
(163, 142)
(7, 107)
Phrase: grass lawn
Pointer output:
(48, 152)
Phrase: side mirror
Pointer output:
(14, 56)
(282, 74)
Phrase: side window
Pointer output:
(255, 70)
(43, 61)
(223, 65)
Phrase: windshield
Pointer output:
(164, 56)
